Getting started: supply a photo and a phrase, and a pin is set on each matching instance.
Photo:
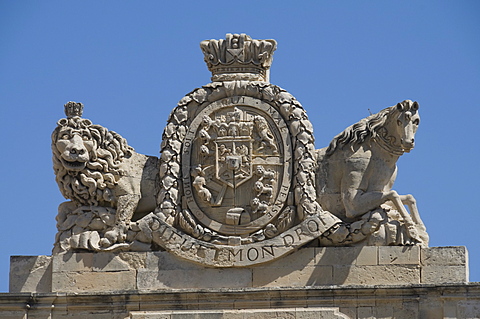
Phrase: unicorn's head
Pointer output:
(392, 128)
(405, 124)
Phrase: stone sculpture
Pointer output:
(105, 179)
(356, 172)
(238, 181)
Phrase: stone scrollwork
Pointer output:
(238, 181)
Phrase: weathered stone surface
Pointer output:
(291, 277)
(368, 256)
(388, 255)
(194, 278)
(453, 256)
(444, 264)
(109, 262)
(30, 273)
(468, 309)
(444, 273)
(379, 275)
(71, 262)
(306, 267)
(339, 256)
(289, 313)
(94, 281)
(400, 301)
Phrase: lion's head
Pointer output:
(86, 160)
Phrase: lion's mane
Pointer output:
(93, 185)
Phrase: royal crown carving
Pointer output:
(238, 57)
(238, 181)
(73, 109)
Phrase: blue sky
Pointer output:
(130, 62)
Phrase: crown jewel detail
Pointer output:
(239, 57)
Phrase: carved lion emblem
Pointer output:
(96, 167)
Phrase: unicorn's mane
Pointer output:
(361, 131)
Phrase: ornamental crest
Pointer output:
(238, 181)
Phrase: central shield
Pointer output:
(233, 160)
(236, 166)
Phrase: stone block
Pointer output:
(220, 301)
(94, 314)
(407, 310)
(38, 314)
(383, 311)
(368, 256)
(13, 314)
(297, 260)
(135, 260)
(450, 309)
(431, 307)
(286, 313)
(336, 255)
(72, 262)
(109, 262)
(163, 260)
(350, 312)
(453, 256)
(150, 315)
(399, 255)
(194, 278)
(468, 309)
(376, 275)
(365, 312)
(93, 281)
(436, 274)
(30, 274)
(286, 277)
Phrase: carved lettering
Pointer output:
(238, 253)
(299, 232)
(313, 226)
(288, 240)
(252, 256)
(268, 250)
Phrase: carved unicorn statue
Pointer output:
(355, 175)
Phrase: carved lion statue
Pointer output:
(96, 167)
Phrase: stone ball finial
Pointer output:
(73, 109)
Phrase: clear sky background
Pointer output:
(130, 62)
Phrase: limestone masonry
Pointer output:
(240, 216)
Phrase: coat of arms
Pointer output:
(236, 167)
(238, 181)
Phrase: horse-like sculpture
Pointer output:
(355, 174)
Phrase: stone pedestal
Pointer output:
(327, 282)
(307, 267)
